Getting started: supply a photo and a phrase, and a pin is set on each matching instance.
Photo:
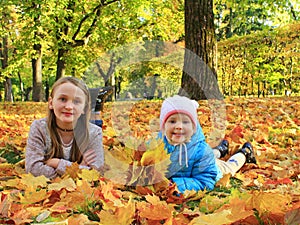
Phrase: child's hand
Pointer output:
(89, 157)
(52, 162)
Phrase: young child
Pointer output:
(65, 136)
(237, 160)
(194, 165)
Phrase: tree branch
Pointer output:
(100, 70)
(97, 12)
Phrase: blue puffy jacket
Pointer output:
(193, 164)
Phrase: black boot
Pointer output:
(223, 148)
(247, 150)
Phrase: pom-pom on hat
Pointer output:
(178, 104)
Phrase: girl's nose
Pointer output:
(69, 105)
(178, 125)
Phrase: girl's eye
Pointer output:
(186, 121)
(76, 102)
(63, 99)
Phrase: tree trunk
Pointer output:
(4, 61)
(37, 85)
(36, 61)
(199, 79)
(8, 90)
(21, 87)
(61, 64)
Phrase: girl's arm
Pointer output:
(94, 155)
(35, 151)
(53, 162)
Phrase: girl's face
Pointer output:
(68, 103)
(179, 128)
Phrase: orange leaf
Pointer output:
(123, 214)
(72, 171)
(78, 219)
(268, 202)
(110, 193)
(4, 205)
(155, 209)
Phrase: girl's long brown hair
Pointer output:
(81, 130)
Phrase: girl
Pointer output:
(65, 136)
(194, 166)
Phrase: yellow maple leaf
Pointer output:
(85, 188)
(79, 220)
(155, 153)
(238, 209)
(31, 196)
(123, 214)
(219, 218)
(268, 202)
(15, 183)
(211, 203)
(89, 175)
(117, 170)
(67, 184)
(110, 132)
(28, 180)
(224, 181)
(6, 166)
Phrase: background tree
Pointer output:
(199, 76)
(241, 17)
(6, 53)
(53, 25)
(36, 60)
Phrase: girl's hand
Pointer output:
(89, 157)
(52, 162)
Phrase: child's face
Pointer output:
(179, 128)
(68, 104)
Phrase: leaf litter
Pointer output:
(132, 188)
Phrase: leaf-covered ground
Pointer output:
(266, 193)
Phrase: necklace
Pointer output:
(66, 145)
(65, 130)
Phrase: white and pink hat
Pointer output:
(178, 104)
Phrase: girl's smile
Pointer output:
(179, 128)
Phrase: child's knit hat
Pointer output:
(178, 104)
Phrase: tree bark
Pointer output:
(8, 90)
(21, 87)
(36, 61)
(8, 97)
(199, 79)
(60, 64)
(37, 90)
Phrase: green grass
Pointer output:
(11, 154)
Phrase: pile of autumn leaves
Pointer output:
(133, 189)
